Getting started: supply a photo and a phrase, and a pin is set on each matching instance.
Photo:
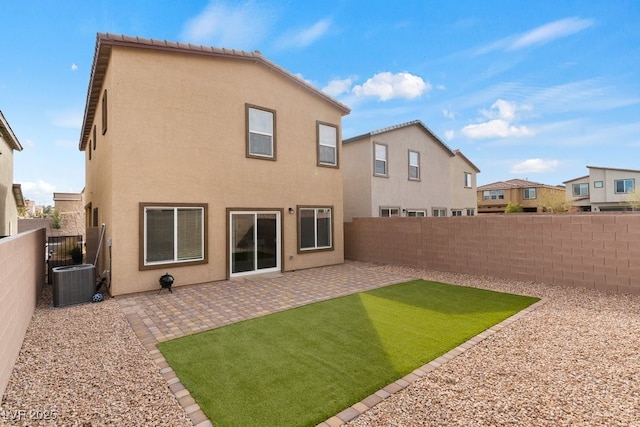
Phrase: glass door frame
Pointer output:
(279, 238)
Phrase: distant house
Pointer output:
(604, 189)
(10, 194)
(208, 164)
(494, 197)
(406, 170)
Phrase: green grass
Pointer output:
(302, 366)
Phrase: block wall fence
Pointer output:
(22, 275)
(597, 251)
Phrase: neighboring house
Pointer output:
(406, 170)
(10, 194)
(604, 189)
(208, 164)
(494, 197)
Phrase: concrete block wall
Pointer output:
(22, 273)
(598, 251)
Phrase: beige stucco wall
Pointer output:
(21, 280)
(365, 192)
(176, 134)
(357, 166)
(462, 197)
(8, 208)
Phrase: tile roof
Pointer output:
(400, 126)
(512, 183)
(105, 42)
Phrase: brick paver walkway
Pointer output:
(160, 316)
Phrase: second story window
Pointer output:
(327, 145)
(529, 193)
(581, 189)
(388, 212)
(493, 195)
(380, 166)
(414, 165)
(624, 185)
(467, 180)
(261, 141)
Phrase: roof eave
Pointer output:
(7, 133)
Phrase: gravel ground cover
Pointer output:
(83, 366)
(575, 361)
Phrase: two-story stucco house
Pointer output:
(604, 189)
(533, 196)
(406, 170)
(208, 164)
(10, 194)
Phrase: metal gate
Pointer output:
(59, 251)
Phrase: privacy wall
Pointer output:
(598, 251)
(21, 279)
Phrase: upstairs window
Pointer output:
(327, 144)
(529, 193)
(412, 213)
(414, 165)
(439, 212)
(581, 189)
(471, 212)
(624, 185)
(456, 212)
(104, 112)
(380, 166)
(467, 180)
(261, 141)
(493, 195)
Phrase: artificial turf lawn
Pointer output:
(304, 365)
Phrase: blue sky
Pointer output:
(526, 89)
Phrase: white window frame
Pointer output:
(391, 211)
(439, 212)
(582, 187)
(526, 193)
(316, 211)
(416, 213)
(626, 189)
(327, 135)
(456, 212)
(378, 158)
(467, 180)
(252, 109)
(598, 184)
(145, 208)
(414, 166)
(471, 212)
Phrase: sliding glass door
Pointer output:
(254, 240)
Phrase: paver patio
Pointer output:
(160, 316)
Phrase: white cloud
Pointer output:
(339, 86)
(501, 116)
(235, 27)
(388, 86)
(74, 67)
(305, 36)
(551, 31)
(449, 134)
(538, 36)
(448, 113)
(37, 191)
(495, 128)
(535, 166)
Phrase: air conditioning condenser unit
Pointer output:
(73, 284)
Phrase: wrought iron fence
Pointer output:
(60, 251)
